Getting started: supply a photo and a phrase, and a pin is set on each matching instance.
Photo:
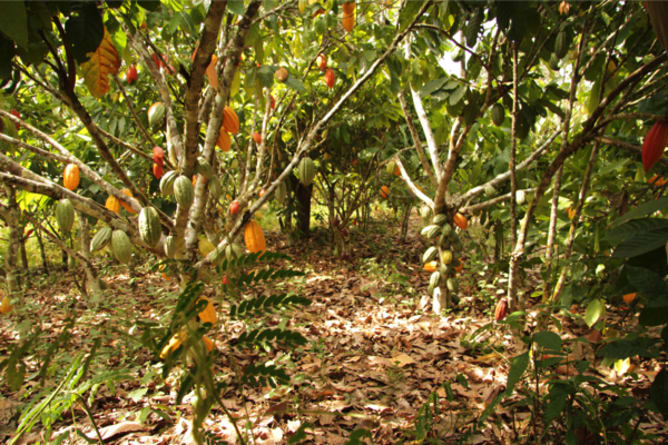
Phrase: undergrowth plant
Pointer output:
(264, 318)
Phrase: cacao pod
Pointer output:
(167, 182)
(451, 285)
(431, 266)
(158, 171)
(501, 310)
(281, 74)
(65, 215)
(230, 121)
(434, 281)
(446, 257)
(429, 254)
(348, 7)
(330, 77)
(447, 230)
(5, 305)
(348, 21)
(121, 246)
(224, 141)
(233, 251)
(205, 246)
(460, 221)
(654, 144)
(430, 231)
(439, 219)
(390, 166)
(101, 239)
(425, 211)
(254, 237)
(71, 176)
(183, 191)
(384, 192)
(208, 343)
(322, 62)
(149, 225)
(156, 114)
(257, 137)
(281, 193)
(204, 168)
(628, 298)
(306, 170)
(234, 207)
(173, 246)
(215, 189)
(174, 343)
(208, 314)
(498, 114)
(126, 206)
(113, 204)
(561, 45)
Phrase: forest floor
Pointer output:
(377, 358)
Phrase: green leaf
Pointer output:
(642, 210)
(595, 309)
(432, 86)
(518, 365)
(236, 7)
(625, 231)
(84, 31)
(300, 434)
(629, 347)
(640, 243)
(645, 281)
(14, 22)
(548, 340)
(658, 392)
(557, 401)
(457, 95)
(295, 84)
(654, 316)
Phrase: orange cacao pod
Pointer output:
(71, 176)
(254, 237)
(501, 310)
(230, 121)
(460, 221)
(113, 204)
(654, 144)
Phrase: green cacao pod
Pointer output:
(173, 246)
(215, 190)
(121, 246)
(101, 239)
(425, 212)
(149, 225)
(306, 171)
(439, 219)
(520, 197)
(446, 230)
(451, 285)
(167, 182)
(281, 192)
(156, 114)
(233, 251)
(446, 257)
(183, 191)
(429, 254)
(498, 114)
(561, 45)
(65, 215)
(204, 168)
(430, 231)
(434, 281)
(390, 166)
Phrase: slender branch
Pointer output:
(502, 177)
(411, 185)
(491, 202)
(416, 139)
(307, 142)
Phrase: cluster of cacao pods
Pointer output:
(442, 258)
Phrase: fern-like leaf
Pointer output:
(267, 304)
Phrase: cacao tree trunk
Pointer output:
(303, 205)
(11, 217)
(42, 251)
(92, 281)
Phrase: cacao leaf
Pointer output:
(100, 64)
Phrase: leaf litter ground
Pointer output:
(376, 353)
